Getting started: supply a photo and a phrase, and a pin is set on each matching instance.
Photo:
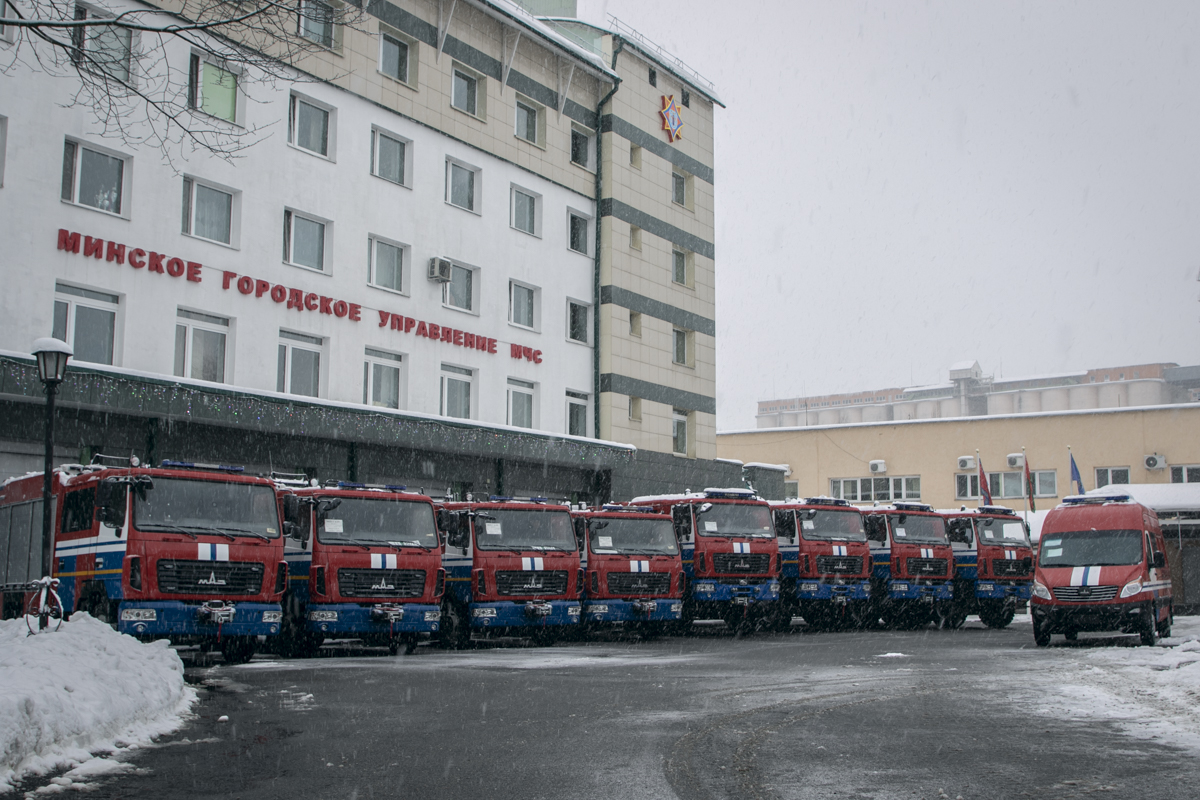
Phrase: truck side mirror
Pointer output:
(289, 529)
(110, 502)
(291, 510)
(445, 520)
(1160, 559)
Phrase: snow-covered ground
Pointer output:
(82, 698)
(1149, 692)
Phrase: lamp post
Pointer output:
(51, 355)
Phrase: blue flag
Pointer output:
(1075, 475)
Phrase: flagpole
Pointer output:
(1028, 488)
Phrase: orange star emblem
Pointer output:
(672, 121)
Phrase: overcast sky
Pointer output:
(904, 185)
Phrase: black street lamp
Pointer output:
(51, 355)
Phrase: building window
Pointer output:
(316, 22)
(526, 211)
(101, 48)
(682, 347)
(635, 237)
(635, 323)
(577, 232)
(681, 189)
(686, 99)
(1107, 475)
(386, 267)
(393, 57)
(578, 329)
(200, 341)
(468, 91)
(682, 269)
(303, 241)
(635, 409)
(1007, 485)
(299, 367)
(582, 146)
(635, 156)
(456, 391)
(679, 431)
(212, 89)
(207, 211)
(381, 378)
(791, 489)
(906, 487)
(520, 403)
(522, 305)
(87, 319)
(460, 185)
(459, 291)
(577, 406)
(309, 126)
(1185, 474)
(653, 78)
(389, 157)
(530, 121)
(93, 178)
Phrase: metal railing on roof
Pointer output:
(673, 62)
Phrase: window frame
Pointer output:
(587, 324)
(373, 240)
(683, 419)
(684, 260)
(688, 340)
(463, 374)
(334, 42)
(589, 138)
(295, 99)
(476, 206)
(535, 298)
(520, 386)
(377, 356)
(587, 219)
(295, 340)
(1108, 476)
(457, 68)
(536, 198)
(191, 182)
(474, 271)
(684, 180)
(192, 320)
(289, 237)
(77, 168)
(539, 120)
(635, 409)
(578, 399)
(196, 66)
(80, 38)
(80, 296)
(406, 162)
(635, 324)
(837, 487)
(1185, 471)
(412, 60)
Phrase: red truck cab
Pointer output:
(826, 563)
(633, 574)
(1101, 567)
(912, 583)
(993, 565)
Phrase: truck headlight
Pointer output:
(705, 587)
(1131, 588)
(483, 612)
(1040, 590)
(433, 616)
(272, 616)
(322, 616)
(139, 615)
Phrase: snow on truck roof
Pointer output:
(1165, 497)
(707, 494)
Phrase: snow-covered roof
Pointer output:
(1158, 496)
(515, 12)
(784, 468)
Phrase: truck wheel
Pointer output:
(1040, 637)
(237, 649)
(455, 633)
(96, 603)
(1071, 636)
(998, 617)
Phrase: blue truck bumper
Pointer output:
(815, 590)
(993, 590)
(908, 590)
(666, 609)
(518, 614)
(175, 618)
(351, 619)
(710, 591)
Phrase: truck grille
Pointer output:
(1085, 594)
(531, 582)
(210, 578)
(1003, 567)
(639, 583)
(928, 566)
(381, 582)
(839, 565)
(756, 563)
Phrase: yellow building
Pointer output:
(933, 460)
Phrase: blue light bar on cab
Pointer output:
(905, 506)
(1095, 499)
(1005, 510)
(496, 498)
(826, 501)
(729, 494)
(168, 464)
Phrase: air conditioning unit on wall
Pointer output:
(1016, 460)
(439, 269)
(878, 467)
(966, 462)
(1156, 462)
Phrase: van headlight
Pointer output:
(1040, 590)
(1131, 588)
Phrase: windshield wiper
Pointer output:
(160, 528)
(247, 530)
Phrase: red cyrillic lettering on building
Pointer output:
(435, 331)
(310, 301)
(156, 264)
(528, 353)
(261, 287)
(398, 322)
(447, 334)
(193, 271)
(115, 252)
(226, 275)
(245, 284)
(341, 308)
(137, 260)
(355, 312)
(409, 323)
(68, 241)
(279, 293)
(537, 356)
(469, 340)
(422, 330)
(481, 343)
(175, 267)
(295, 299)
(384, 317)
(326, 305)
(491, 345)
(514, 350)
(93, 247)
(458, 337)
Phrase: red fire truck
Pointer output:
(632, 571)
(730, 554)
(191, 552)
(365, 562)
(993, 565)
(1102, 566)
(912, 583)
(511, 567)
(826, 563)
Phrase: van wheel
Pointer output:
(1149, 631)
(1164, 630)
(1040, 636)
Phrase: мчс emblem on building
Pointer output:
(672, 121)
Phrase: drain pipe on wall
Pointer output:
(620, 45)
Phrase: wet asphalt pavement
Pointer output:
(925, 714)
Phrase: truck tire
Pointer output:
(95, 602)
(998, 616)
(1040, 637)
(238, 649)
(455, 633)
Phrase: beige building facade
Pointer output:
(934, 460)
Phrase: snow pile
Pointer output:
(84, 690)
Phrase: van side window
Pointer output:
(78, 510)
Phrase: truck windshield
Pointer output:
(995, 531)
(197, 507)
(399, 523)
(641, 536)
(524, 529)
(918, 529)
(1091, 549)
(734, 519)
(844, 526)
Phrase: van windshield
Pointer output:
(524, 529)
(734, 519)
(844, 526)
(995, 531)
(399, 523)
(638, 536)
(915, 528)
(1091, 549)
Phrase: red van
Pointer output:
(1101, 566)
